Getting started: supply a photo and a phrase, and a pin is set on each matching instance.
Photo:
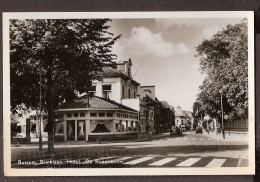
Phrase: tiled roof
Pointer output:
(110, 72)
(93, 102)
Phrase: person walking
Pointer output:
(149, 133)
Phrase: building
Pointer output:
(168, 116)
(181, 119)
(117, 84)
(190, 119)
(114, 108)
(146, 96)
(28, 125)
(95, 118)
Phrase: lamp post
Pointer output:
(222, 119)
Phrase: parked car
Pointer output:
(199, 129)
(175, 130)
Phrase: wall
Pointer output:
(178, 120)
(115, 87)
(132, 103)
(151, 88)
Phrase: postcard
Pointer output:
(128, 93)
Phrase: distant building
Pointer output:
(168, 116)
(181, 119)
(147, 106)
(190, 119)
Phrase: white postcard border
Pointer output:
(8, 171)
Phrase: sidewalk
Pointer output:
(229, 136)
(143, 138)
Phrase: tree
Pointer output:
(224, 59)
(68, 54)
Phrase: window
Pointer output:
(126, 126)
(101, 114)
(132, 126)
(117, 128)
(109, 114)
(69, 115)
(123, 126)
(129, 93)
(123, 91)
(134, 95)
(82, 114)
(106, 91)
(120, 126)
(92, 90)
(75, 114)
(92, 114)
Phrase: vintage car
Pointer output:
(199, 129)
(175, 130)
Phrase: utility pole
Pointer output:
(40, 138)
(223, 129)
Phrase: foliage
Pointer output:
(66, 54)
(224, 59)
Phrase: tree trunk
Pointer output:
(50, 114)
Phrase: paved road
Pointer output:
(188, 150)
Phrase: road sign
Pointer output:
(226, 116)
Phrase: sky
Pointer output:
(163, 53)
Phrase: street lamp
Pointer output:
(223, 129)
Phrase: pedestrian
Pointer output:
(149, 133)
(209, 130)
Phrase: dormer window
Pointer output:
(106, 89)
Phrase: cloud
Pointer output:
(142, 42)
(182, 48)
(208, 32)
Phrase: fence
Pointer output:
(239, 125)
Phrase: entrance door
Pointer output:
(71, 130)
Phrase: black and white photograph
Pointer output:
(162, 93)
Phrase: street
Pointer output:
(187, 150)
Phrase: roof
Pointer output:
(165, 104)
(93, 102)
(135, 82)
(189, 114)
(110, 72)
(148, 86)
(150, 97)
(179, 112)
(122, 63)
